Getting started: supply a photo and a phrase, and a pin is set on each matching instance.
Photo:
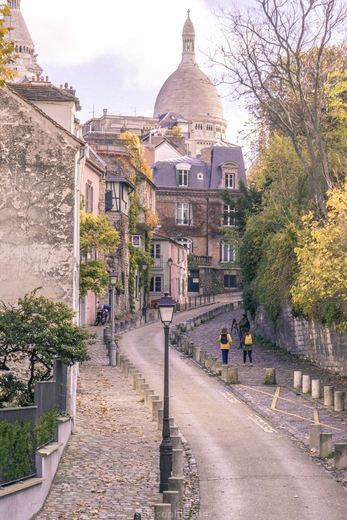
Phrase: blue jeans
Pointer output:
(225, 354)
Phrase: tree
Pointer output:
(97, 235)
(278, 57)
(35, 332)
(320, 288)
(6, 47)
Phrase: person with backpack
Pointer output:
(247, 346)
(225, 342)
(244, 327)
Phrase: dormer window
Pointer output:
(230, 181)
(182, 170)
(183, 177)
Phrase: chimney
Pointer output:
(105, 111)
(206, 154)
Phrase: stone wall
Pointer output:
(326, 347)
(39, 204)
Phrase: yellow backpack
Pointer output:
(248, 339)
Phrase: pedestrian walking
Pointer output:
(225, 342)
(243, 327)
(247, 346)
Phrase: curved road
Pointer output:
(248, 470)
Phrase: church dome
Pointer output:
(188, 91)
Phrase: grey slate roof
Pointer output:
(164, 172)
(43, 92)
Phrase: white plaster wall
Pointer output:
(62, 112)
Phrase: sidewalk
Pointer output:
(293, 412)
(110, 467)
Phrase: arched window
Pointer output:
(187, 243)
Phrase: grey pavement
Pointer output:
(248, 468)
(109, 469)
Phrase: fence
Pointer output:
(195, 301)
(19, 437)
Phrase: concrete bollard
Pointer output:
(328, 395)
(162, 512)
(156, 406)
(217, 368)
(225, 373)
(202, 357)
(176, 442)
(148, 396)
(208, 362)
(325, 445)
(140, 381)
(196, 353)
(339, 401)
(174, 431)
(160, 419)
(143, 389)
(341, 455)
(315, 431)
(233, 376)
(177, 463)
(306, 384)
(173, 498)
(177, 484)
(315, 389)
(153, 398)
(190, 349)
(297, 379)
(270, 376)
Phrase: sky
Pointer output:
(117, 53)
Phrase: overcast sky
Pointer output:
(117, 54)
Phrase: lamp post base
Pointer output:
(165, 464)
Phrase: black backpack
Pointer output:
(224, 339)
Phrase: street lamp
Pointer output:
(166, 308)
(113, 347)
(144, 266)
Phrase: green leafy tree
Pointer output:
(97, 236)
(37, 331)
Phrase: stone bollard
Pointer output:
(162, 512)
(297, 379)
(341, 455)
(156, 406)
(202, 357)
(196, 354)
(315, 431)
(315, 389)
(208, 362)
(233, 376)
(174, 431)
(328, 393)
(325, 445)
(140, 381)
(217, 368)
(306, 384)
(225, 369)
(160, 419)
(173, 498)
(176, 442)
(148, 396)
(152, 398)
(177, 484)
(339, 401)
(137, 377)
(270, 376)
(190, 349)
(143, 389)
(177, 463)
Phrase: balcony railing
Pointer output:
(157, 262)
(199, 261)
(183, 222)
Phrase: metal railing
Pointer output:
(195, 301)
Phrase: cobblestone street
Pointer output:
(110, 467)
(294, 412)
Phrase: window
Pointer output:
(183, 177)
(198, 126)
(89, 197)
(230, 181)
(183, 214)
(229, 216)
(227, 252)
(156, 284)
(187, 243)
(155, 253)
(230, 281)
(209, 127)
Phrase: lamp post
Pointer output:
(166, 308)
(113, 347)
(144, 266)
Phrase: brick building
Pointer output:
(192, 212)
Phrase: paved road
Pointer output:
(247, 469)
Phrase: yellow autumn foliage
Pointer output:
(135, 150)
(6, 47)
(320, 289)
